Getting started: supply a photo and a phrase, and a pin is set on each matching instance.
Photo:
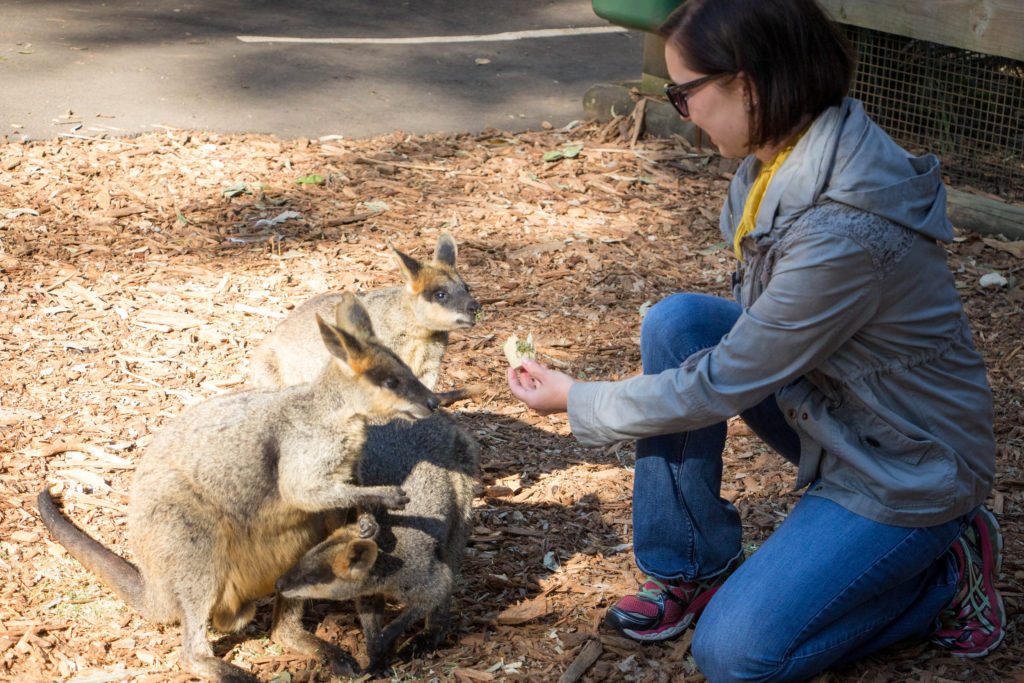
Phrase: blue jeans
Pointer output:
(828, 587)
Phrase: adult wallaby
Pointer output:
(235, 490)
(413, 319)
(420, 547)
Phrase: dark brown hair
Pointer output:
(797, 59)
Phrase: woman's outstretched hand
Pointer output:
(544, 390)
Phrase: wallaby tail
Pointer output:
(116, 572)
(455, 395)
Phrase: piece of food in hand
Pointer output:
(517, 349)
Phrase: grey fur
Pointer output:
(420, 547)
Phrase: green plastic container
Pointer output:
(645, 15)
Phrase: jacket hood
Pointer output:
(845, 157)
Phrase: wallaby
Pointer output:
(414, 320)
(236, 489)
(420, 547)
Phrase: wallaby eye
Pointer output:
(390, 384)
(440, 295)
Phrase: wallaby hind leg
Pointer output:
(197, 654)
(382, 646)
(194, 590)
(371, 616)
(289, 631)
(438, 622)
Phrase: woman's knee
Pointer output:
(728, 646)
(673, 329)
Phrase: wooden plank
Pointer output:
(994, 27)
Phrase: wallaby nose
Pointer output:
(433, 403)
(280, 585)
(474, 308)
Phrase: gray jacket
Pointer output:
(850, 316)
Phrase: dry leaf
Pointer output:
(1014, 248)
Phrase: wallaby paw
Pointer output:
(240, 676)
(377, 667)
(378, 656)
(340, 662)
(396, 500)
(228, 673)
(429, 641)
(368, 527)
(217, 670)
(421, 646)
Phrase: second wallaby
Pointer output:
(237, 488)
(413, 319)
(420, 547)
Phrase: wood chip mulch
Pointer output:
(137, 274)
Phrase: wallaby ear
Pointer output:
(446, 251)
(350, 316)
(353, 560)
(342, 345)
(409, 266)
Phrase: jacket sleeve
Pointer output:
(822, 291)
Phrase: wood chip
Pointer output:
(167, 320)
(88, 295)
(464, 674)
(256, 310)
(127, 211)
(89, 479)
(525, 611)
(588, 654)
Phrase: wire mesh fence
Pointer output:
(966, 107)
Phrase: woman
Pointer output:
(847, 351)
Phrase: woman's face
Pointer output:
(718, 107)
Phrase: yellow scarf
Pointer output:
(756, 194)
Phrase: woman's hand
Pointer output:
(544, 390)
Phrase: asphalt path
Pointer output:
(307, 68)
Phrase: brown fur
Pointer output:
(409, 319)
(236, 489)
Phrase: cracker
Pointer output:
(517, 349)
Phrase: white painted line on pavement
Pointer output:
(485, 38)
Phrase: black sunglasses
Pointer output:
(678, 92)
